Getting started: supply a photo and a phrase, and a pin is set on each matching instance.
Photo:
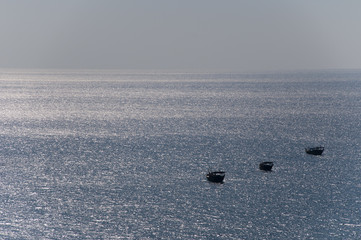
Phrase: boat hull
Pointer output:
(314, 151)
(266, 166)
(217, 177)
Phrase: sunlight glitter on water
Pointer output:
(87, 155)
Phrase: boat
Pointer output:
(217, 176)
(315, 150)
(266, 166)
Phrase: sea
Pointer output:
(123, 154)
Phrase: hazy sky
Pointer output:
(249, 35)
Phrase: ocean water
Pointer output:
(123, 155)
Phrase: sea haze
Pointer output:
(123, 155)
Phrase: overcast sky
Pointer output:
(249, 35)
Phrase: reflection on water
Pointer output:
(102, 155)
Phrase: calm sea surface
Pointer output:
(123, 155)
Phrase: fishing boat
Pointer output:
(315, 150)
(217, 176)
(266, 166)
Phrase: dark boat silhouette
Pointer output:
(266, 166)
(315, 150)
(217, 176)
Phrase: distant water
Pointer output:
(123, 155)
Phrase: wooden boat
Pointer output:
(266, 166)
(217, 176)
(315, 150)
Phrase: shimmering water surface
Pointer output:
(123, 155)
